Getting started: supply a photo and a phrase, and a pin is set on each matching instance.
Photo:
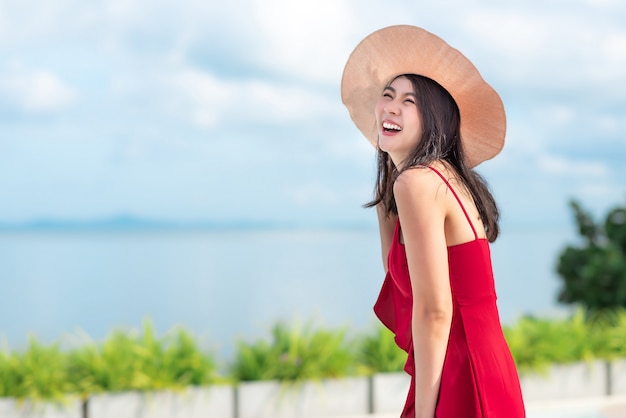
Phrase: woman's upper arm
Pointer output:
(421, 203)
(386, 226)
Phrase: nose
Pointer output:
(391, 107)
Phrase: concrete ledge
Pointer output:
(389, 392)
(11, 408)
(618, 377)
(566, 381)
(217, 401)
(607, 406)
(307, 400)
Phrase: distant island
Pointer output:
(129, 222)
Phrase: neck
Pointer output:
(397, 161)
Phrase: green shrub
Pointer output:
(130, 361)
(133, 360)
(294, 354)
(38, 373)
(616, 335)
(537, 342)
(378, 352)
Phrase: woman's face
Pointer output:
(398, 120)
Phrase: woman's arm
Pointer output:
(422, 212)
(386, 227)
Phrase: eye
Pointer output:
(387, 95)
(409, 101)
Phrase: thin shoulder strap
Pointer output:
(457, 199)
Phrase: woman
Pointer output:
(432, 118)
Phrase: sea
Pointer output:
(228, 284)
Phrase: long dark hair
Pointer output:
(440, 141)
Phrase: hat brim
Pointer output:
(403, 49)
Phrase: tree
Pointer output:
(594, 273)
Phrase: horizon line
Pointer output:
(130, 222)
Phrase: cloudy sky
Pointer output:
(203, 110)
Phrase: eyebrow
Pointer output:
(410, 93)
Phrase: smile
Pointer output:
(390, 126)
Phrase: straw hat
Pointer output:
(403, 49)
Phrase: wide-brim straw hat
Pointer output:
(403, 49)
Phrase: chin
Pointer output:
(387, 147)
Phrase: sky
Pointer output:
(195, 111)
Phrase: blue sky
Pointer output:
(210, 111)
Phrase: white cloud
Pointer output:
(559, 165)
(557, 114)
(569, 125)
(212, 101)
(552, 46)
(35, 91)
(518, 32)
(314, 193)
(355, 147)
(305, 40)
(205, 95)
(31, 19)
(609, 124)
(153, 72)
(589, 191)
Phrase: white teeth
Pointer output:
(391, 126)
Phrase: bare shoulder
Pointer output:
(416, 181)
(421, 208)
(417, 193)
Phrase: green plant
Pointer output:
(130, 361)
(133, 360)
(294, 354)
(536, 343)
(616, 335)
(594, 273)
(7, 374)
(38, 373)
(378, 352)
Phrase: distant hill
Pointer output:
(129, 222)
(126, 222)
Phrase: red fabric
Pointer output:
(479, 377)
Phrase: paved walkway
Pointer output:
(605, 407)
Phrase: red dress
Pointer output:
(479, 377)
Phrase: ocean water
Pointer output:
(226, 285)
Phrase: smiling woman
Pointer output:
(433, 119)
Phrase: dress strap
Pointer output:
(457, 199)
